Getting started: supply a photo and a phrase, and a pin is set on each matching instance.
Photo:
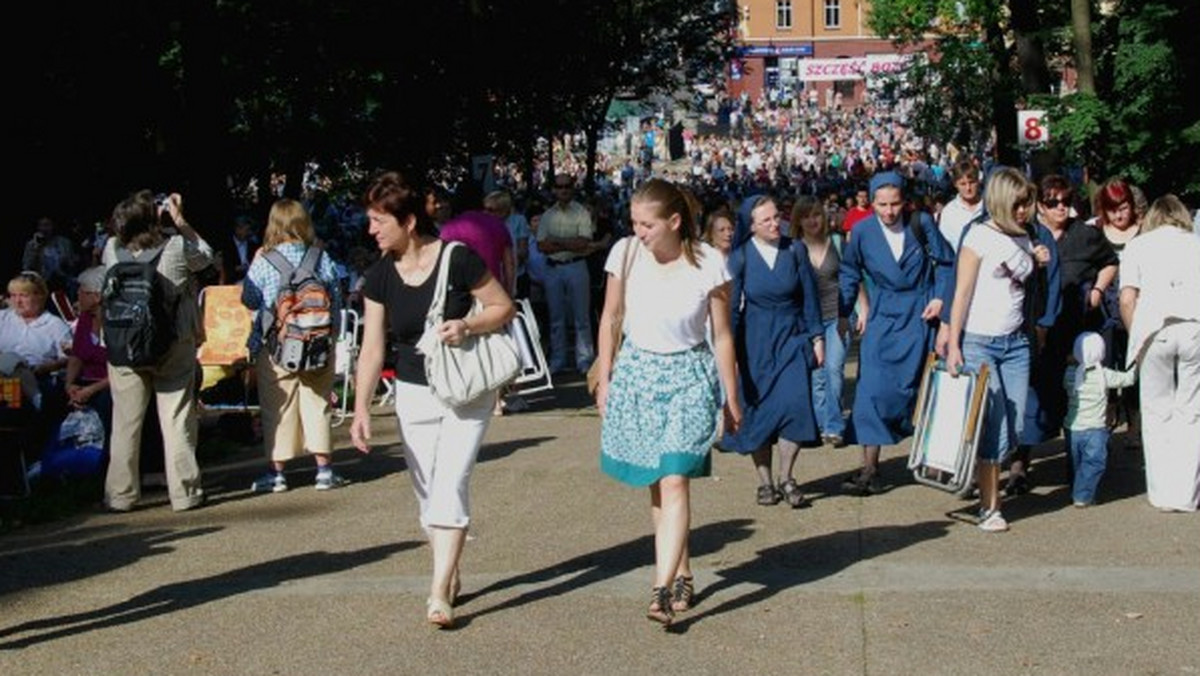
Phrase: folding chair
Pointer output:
(948, 422)
(224, 353)
(535, 371)
(64, 307)
(345, 358)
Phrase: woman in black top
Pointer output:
(1087, 267)
(441, 442)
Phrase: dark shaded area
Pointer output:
(61, 563)
(601, 565)
(779, 568)
(191, 593)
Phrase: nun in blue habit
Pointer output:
(778, 336)
(911, 267)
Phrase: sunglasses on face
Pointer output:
(1055, 203)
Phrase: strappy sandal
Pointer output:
(682, 594)
(768, 495)
(660, 606)
(439, 613)
(793, 495)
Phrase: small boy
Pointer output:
(1087, 384)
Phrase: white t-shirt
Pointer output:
(1164, 266)
(38, 342)
(1004, 263)
(954, 218)
(666, 306)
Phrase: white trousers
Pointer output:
(1170, 397)
(440, 447)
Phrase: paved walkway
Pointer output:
(557, 573)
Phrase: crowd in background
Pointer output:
(814, 165)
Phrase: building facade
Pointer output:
(820, 50)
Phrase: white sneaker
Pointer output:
(327, 481)
(271, 482)
(992, 522)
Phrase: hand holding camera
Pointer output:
(170, 205)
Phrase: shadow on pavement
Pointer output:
(793, 564)
(61, 563)
(604, 564)
(183, 595)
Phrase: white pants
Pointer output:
(440, 447)
(1170, 397)
(568, 295)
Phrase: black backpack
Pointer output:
(139, 309)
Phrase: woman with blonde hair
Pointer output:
(33, 335)
(296, 413)
(987, 321)
(659, 412)
(1160, 285)
(810, 224)
(718, 230)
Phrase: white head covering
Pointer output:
(92, 279)
(1089, 352)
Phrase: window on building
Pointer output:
(833, 13)
(783, 14)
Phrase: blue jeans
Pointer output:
(568, 294)
(827, 383)
(1089, 455)
(1007, 359)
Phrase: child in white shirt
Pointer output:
(1087, 384)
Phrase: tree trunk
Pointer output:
(1004, 104)
(202, 138)
(1081, 30)
(1031, 52)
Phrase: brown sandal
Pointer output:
(660, 606)
(682, 594)
(793, 495)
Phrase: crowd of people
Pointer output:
(739, 285)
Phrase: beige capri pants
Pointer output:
(440, 447)
(295, 408)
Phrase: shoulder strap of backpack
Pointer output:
(266, 313)
(280, 263)
(918, 231)
(309, 262)
(150, 255)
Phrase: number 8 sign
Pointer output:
(1031, 127)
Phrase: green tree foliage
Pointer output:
(1139, 124)
(190, 95)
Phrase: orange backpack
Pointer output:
(298, 332)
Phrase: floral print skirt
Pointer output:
(661, 415)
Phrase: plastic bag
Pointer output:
(82, 427)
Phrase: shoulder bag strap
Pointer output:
(627, 257)
(437, 307)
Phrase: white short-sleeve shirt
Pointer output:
(1004, 263)
(37, 342)
(1164, 266)
(666, 305)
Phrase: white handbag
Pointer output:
(482, 363)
